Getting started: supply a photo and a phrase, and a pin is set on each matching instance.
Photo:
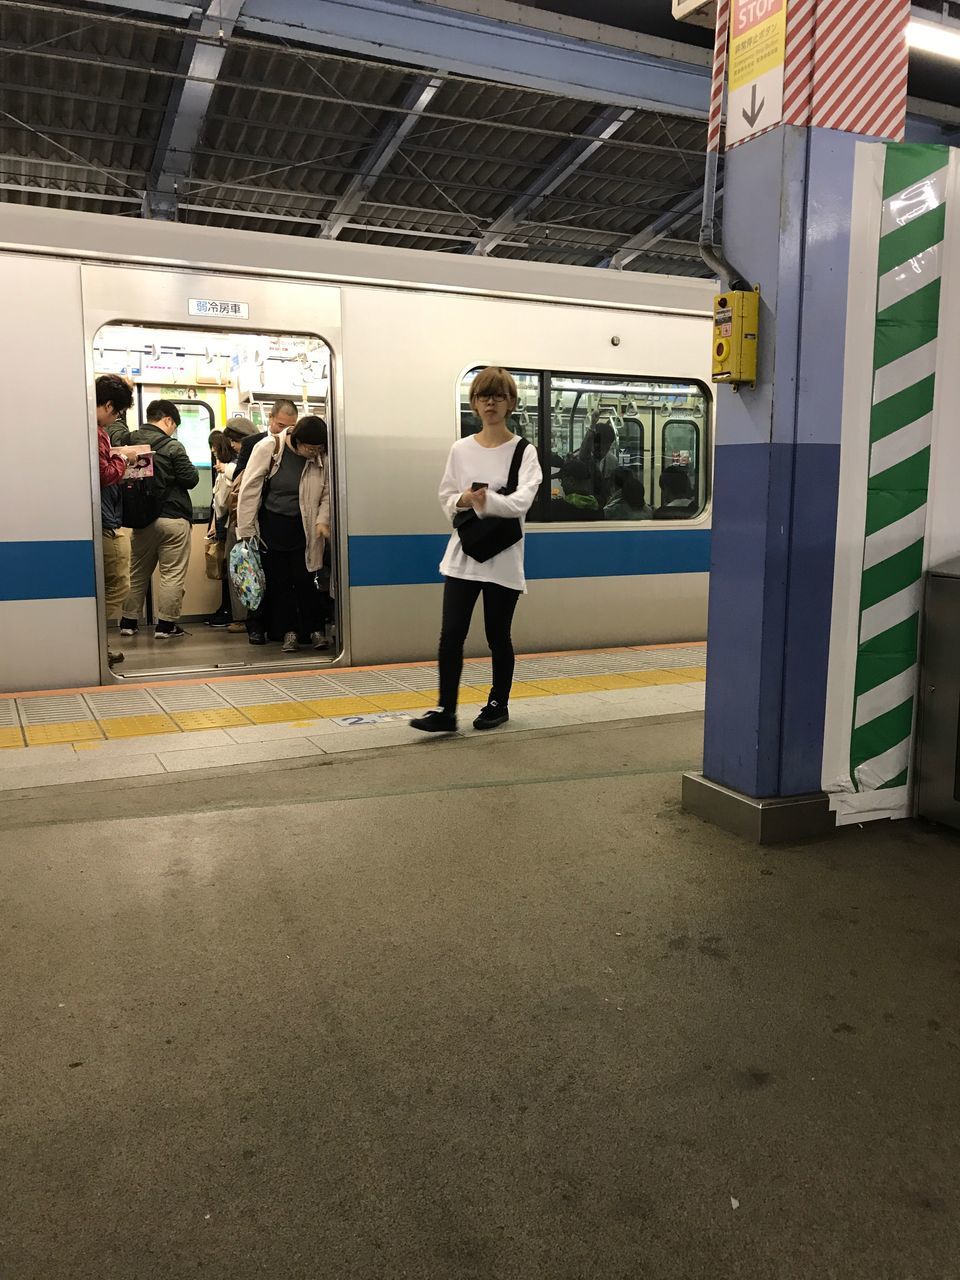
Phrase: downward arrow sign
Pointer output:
(753, 115)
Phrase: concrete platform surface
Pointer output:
(495, 1010)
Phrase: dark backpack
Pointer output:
(143, 500)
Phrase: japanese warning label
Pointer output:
(758, 37)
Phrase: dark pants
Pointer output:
(499, 603)
(292, 601)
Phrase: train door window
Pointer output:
(197, 420)
(680, 480)
(211, 377)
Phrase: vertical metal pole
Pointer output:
(710, 249)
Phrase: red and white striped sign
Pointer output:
(846, 66)
(860, 69)
(719, 75)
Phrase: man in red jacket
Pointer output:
(114, 397)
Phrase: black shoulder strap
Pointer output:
(513, 476)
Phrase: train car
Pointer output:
(613, 370)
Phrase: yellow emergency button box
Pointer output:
(736, 321)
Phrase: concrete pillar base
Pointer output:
(764, 821)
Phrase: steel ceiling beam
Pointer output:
(506, 52)
(658, 230)
(566, 162)
(389, 141)
(204, 48)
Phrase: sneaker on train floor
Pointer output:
(129, 626)
(218, 620)
(236, 628)
(319, 640)
(290, 642)
(168, 631)
(113, 658)
(493, 715)
(256, 637)
(435, 722)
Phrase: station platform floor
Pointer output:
(488, 1007)
(171, 726)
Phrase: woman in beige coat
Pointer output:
(285, 501)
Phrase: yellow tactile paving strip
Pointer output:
(89, 716)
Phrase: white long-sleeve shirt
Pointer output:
(469, 463)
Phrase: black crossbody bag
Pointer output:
(483, 539)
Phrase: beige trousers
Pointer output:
(165, 544)
(116, 571)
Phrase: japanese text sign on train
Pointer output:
(218, 307)
(758, 38)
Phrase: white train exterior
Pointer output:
(403, 329)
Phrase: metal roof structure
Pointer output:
(391, 122)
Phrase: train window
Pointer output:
(611, 448)
(608, 461)
(679, 482)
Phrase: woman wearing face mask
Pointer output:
(285, 501)
(478, 468)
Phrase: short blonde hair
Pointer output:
(494, 381)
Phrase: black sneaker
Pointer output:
(435, 722)
(168, 631)
(129, 626)
(256, 637)
(218, 621)
(493, 715)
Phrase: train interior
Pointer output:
(211, 376)
(619, 448)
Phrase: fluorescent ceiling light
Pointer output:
(934, 37)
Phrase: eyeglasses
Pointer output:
(498, 396)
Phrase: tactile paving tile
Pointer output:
(189, 697)
(10, 736)
(54, 709)
(122, 702)
(416, 679)
(8, 714)
(301, 688)
(215, 718)
(137, 726)
(43, 735)
(406, 700)
(366, 682)
(330, 708)
(252, 693)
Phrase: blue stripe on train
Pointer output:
(387, 560)
(47, 570)
(64, 570)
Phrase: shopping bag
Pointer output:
(246, 573)
(213, 560)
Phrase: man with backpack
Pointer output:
(159, 511)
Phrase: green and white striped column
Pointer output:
(905, 356)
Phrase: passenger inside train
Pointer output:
(578, 501)
(228, 392)
(629, 499)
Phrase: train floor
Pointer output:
(493, 1009)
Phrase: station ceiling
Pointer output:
(197, 111)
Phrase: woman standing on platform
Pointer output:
(489, 484)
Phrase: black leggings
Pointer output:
(292, 601)
(459, 597)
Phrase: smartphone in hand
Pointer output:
(477, 484)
